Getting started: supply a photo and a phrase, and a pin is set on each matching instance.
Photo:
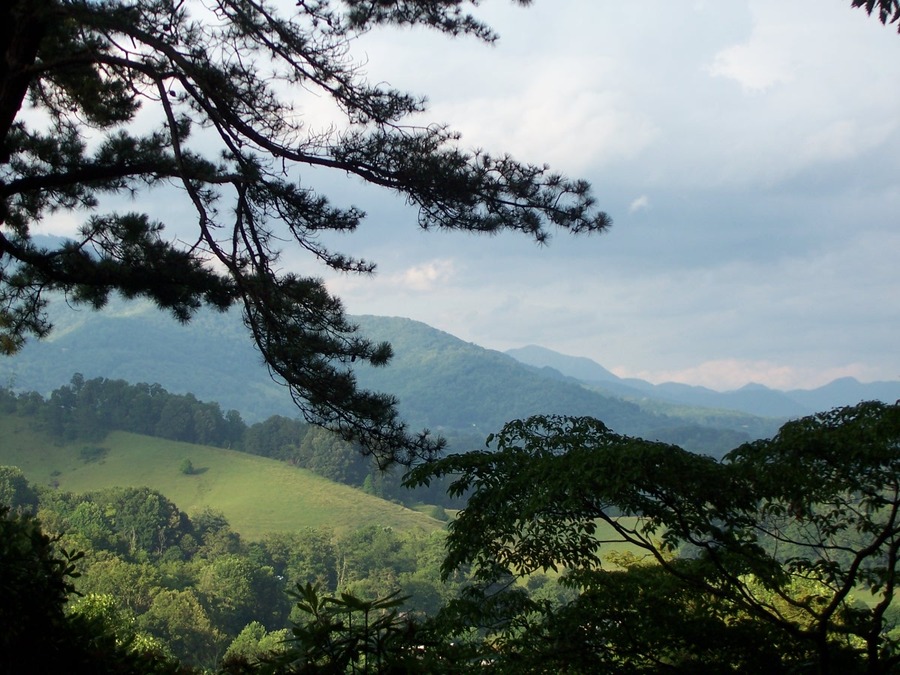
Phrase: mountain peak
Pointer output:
(579, 367)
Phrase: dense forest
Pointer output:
(577, 549)
(192, 588)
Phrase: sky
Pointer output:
(747, 151)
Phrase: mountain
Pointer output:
(212, 356)
(579, 367)
(846, 391)
(753, 399)
(443, 382)
(457, 388)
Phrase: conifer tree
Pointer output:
(224, 83)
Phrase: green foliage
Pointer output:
(89, 409)
(328, 455)
(346, 634)
(16, 492)
(888, 10)
(110, 625)
(132, 584)
(766, 547)
(193, 598)
(179, 619)
(36, 633)
(306, 556)
(248, 490)
(69, 59)
(236, 591)
(277, 437)
(186, 467)
(35, 582)
(253, 644)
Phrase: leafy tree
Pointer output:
(90, 521)
(178, 618)
(235, 592)
(116, 627)
(211, 528)
(307, 556)
(132, 584)
(277, 437)
(232, 69)
(142, 519)
(326, 454)
(252, 644)
(37, 635)
(15, 490)
(35, 582)
(767, 546)
(348, 635)
(888, 10)
(372, 558)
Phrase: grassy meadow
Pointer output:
(256, 494)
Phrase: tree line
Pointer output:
(88, 409)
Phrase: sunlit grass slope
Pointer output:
(256, 494)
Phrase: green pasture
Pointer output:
(256, 494)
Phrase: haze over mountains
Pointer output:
(755, 399)
(456, 388)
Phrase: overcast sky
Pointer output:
(748, 152)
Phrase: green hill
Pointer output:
(256, 494)
(442, 383)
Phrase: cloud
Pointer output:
(845, 139)
(756, 65)
(558, 116)
(642, 203)
(767, 133)
(426, 276)
(768, 252)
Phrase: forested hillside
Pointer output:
(155, 580)
(88, 411)
(442, 383)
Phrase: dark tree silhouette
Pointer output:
(75, 74)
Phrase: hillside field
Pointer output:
(256, 494)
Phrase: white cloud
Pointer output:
(757, 65)
(559, 116)
(766, 255)
(641, 203)
(426, 276)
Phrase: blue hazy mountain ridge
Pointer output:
(211, 357)
(442, 383)
(754, 399)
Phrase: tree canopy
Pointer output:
(788, 545)
(106, 98)
(888, 11)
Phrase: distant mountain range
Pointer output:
(457, 388)
(754, 399)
